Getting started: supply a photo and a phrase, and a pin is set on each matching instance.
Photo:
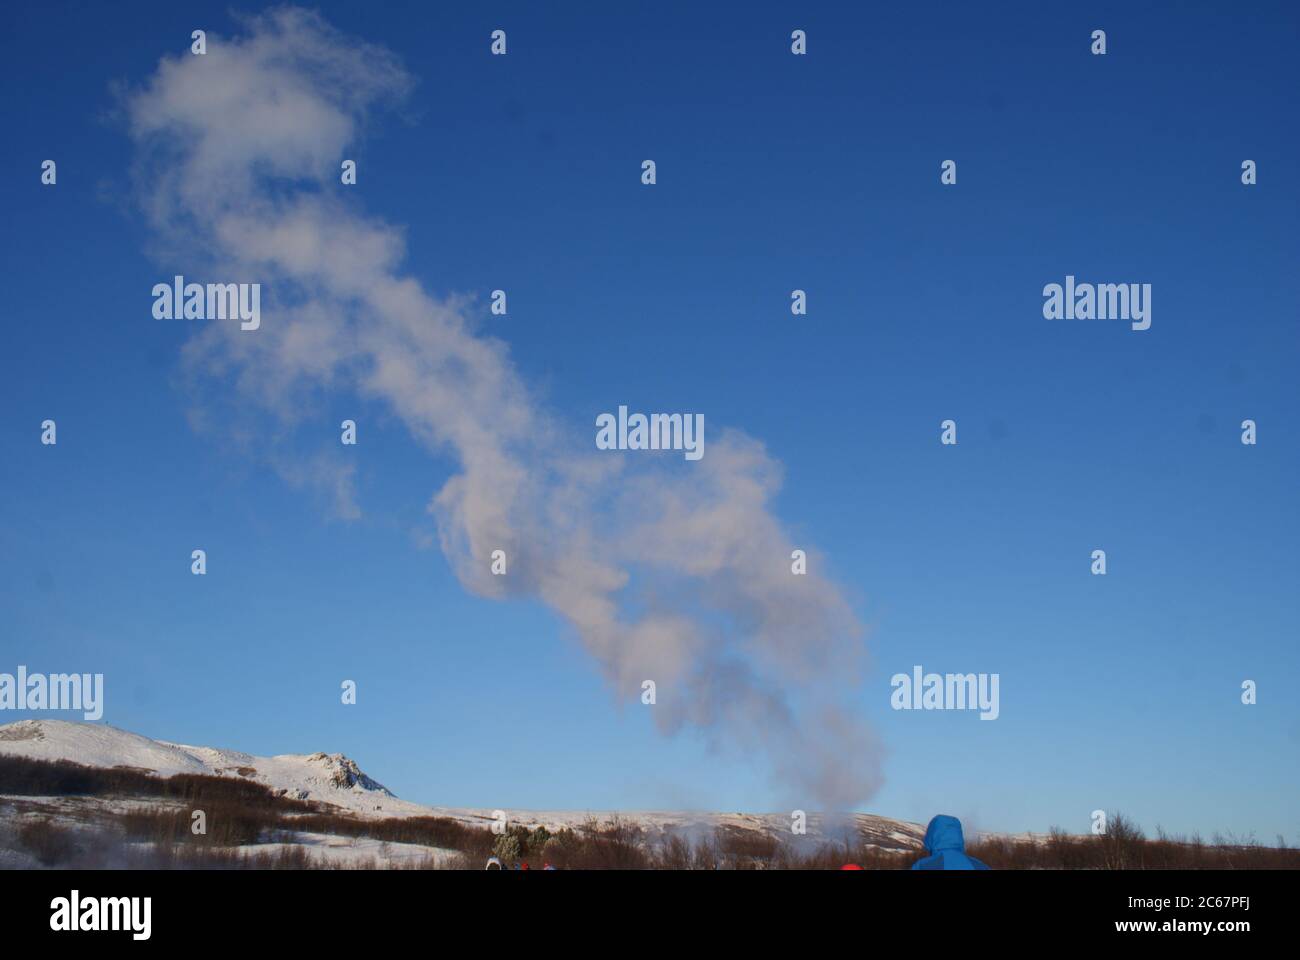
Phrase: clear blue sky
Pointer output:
(775, 172)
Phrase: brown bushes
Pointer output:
(615, 844)
(441, 832)
(241, 813)
(22, 776)
(610, 845)
(1125, 847)
(49, 843)
(226, 824)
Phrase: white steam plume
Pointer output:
(669, 571)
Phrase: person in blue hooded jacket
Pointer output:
(947, 847)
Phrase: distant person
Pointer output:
(947, 847)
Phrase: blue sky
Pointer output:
(775, 172)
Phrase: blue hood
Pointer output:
(944, 833)
(947, 847)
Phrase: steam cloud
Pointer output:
(677, 573)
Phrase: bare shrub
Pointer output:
(48, 842)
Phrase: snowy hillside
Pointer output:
(328, 778)
(335, 779)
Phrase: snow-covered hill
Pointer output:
(337, 780)
(328, 778)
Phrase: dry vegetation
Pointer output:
(241, 815)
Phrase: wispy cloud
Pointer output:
(667, 571)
